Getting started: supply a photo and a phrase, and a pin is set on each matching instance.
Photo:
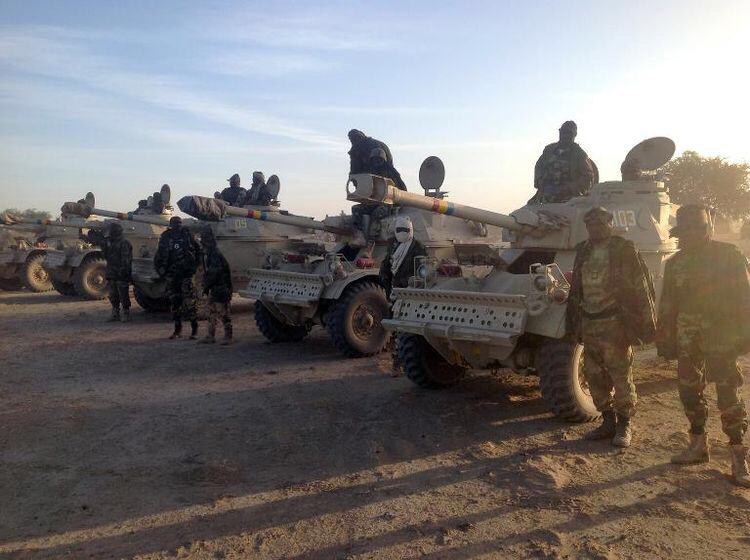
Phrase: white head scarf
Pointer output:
(404, 242)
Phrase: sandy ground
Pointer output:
(115, 442)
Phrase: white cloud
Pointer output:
(253, 64)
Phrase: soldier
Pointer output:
(398, 265)
(611, 307)
(217, 285)
(380, 166)
(563, 170)
(234, 194)
(361, 151)
(176, 260)
(704, 323)
(258, 195)
(118, 252)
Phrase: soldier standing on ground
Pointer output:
(611, 307)
(118, 252)
(176, 260)
(398, 265)
(563, 170)
(217, 285)
(704, 323)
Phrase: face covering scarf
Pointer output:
(404, 236)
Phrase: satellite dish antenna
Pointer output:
(90, 200)
(432, 174)
(650, 154)
(273, 185)
(166, 194)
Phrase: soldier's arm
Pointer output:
(127, 254)
(666, 324)
(160, 258)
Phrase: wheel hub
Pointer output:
(363, 321)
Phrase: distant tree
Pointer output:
(31, 213)
(724, 186)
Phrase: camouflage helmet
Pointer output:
(692, 217)
(234, 180)
(355, 135)
(598, 214)
(175, 221)
(258, 177)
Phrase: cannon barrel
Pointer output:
(10, 219)
(371, 188)
(219, 209)
(80, 209)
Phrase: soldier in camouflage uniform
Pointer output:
(176, 260)
(563, 170)
(217, 285)
(611, 307)
(704, 323)
(118, 252)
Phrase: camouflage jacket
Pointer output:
(580, 171)
(178, 254)
(217, 277)
(631, 283)
(710, 286)
(118, 252)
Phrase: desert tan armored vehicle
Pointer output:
(56, 237)
(341, 289)
(18, 247)
(515, 316)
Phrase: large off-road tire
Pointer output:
(11, 284)
(148, 303)
(89, 278)
(560, 368)
(276, 331)
(64, 288)
(33, 274)
(354, 321)
(423, 365)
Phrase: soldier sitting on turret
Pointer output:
(360, 153)
(258, 195)
(234, 194)
(379, 166)
(563, 170)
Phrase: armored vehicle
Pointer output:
(515, 316)
(341, 289)
(19, 264)
(53, 236)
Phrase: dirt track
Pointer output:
(115, 442)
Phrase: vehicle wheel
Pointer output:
(34, 276)
(11, 284)
(424, 365)
(354, 322)
(276, 331)
(560, 368)
(89, 278)
(64, 288)
(148, 303)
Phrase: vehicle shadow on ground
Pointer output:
(26, 298)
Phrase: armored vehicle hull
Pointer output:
(515, 316)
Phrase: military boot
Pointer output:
(126, 315)
(115, 316)
(606, 431)
(623, 432)
(696, 452)
(193, 329)
(177, 330)
(740, 472)
(210, 337)
(228, 333)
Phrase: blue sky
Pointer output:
(120, 97)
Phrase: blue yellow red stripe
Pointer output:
(257, 215)
(443, 207)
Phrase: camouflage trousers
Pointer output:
(694, 372)
(608, 365)
(182, 298)
(119, 293)
(219, 312)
